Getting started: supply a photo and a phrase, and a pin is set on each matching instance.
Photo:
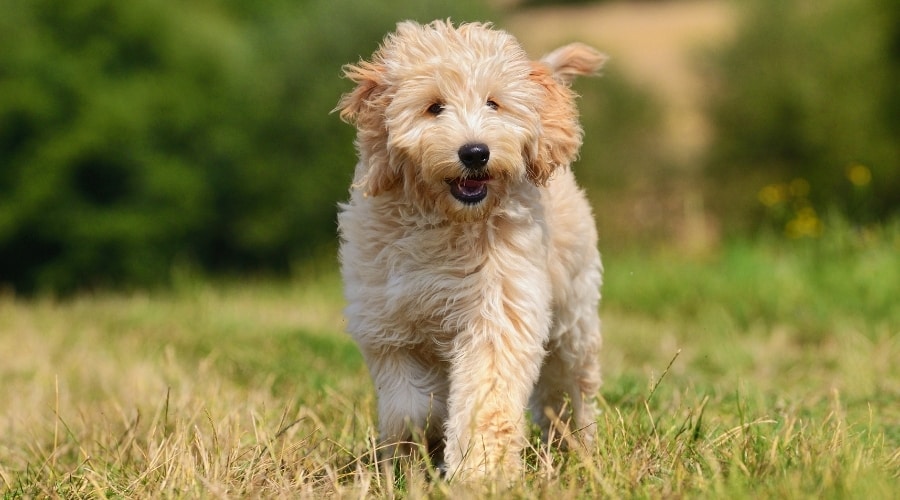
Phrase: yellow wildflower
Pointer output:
(771, 195)
(859, 175)
(805, 224)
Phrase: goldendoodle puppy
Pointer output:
(468, 252)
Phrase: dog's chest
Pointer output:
(442, 280)
(434, 271)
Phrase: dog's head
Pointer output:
(457, 116)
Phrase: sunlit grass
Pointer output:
(768, 369)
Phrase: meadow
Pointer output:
(768, 368)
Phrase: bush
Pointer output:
(622, 161)
(808, 115)
(137, 135)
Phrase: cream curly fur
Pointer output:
(472, 290)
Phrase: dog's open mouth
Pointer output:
(469, 190)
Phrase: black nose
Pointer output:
(474, 156)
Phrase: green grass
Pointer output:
(769, 369)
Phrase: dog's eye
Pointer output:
(492, 104)
(436, 108)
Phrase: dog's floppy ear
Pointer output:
(364, 107)
(368, 78)
(573, 60)
(560, 135)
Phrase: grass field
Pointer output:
(770, 369)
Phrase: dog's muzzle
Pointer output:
(472, 187)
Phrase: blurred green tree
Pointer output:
(807, 113)
(136, 135)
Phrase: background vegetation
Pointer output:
(807, 109)
(144, 136)
(137, 136)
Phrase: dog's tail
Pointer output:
(573, 60)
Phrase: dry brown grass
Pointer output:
(767, 376)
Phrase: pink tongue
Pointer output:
(471, 186)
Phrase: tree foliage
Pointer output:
(808, 110)
(136, 135)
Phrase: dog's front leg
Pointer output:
(493, 371)
(410, 405)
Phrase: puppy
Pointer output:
(468, 253)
